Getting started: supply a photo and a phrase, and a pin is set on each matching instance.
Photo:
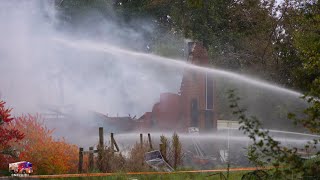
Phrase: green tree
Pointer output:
(299, 44)
(307, 43)
(266, 151)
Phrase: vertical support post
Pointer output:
(80, 160)
(141, 146)
(90, 159)
(101, 152)
(150, 142)
(141, 140)
(112, 143)
(101, 141)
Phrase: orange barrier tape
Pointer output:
(142, 173)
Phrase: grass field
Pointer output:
(182, 176)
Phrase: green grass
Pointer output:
(182, 176)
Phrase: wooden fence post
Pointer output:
(101, 151)
(101, 143)
(80, 160)
(141, 140)
(114, 144)
(91, 164)
(150, 142)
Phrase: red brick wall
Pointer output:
(193, 86)
(173, 112)
(167, 112)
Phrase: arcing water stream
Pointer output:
(107, 48)
(261, 98)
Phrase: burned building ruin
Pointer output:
(193, 106)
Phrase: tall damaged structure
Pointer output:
(194, 106)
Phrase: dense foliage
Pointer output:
(266, 151)
(48, 155)
(7, 135)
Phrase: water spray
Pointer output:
(107, 48)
